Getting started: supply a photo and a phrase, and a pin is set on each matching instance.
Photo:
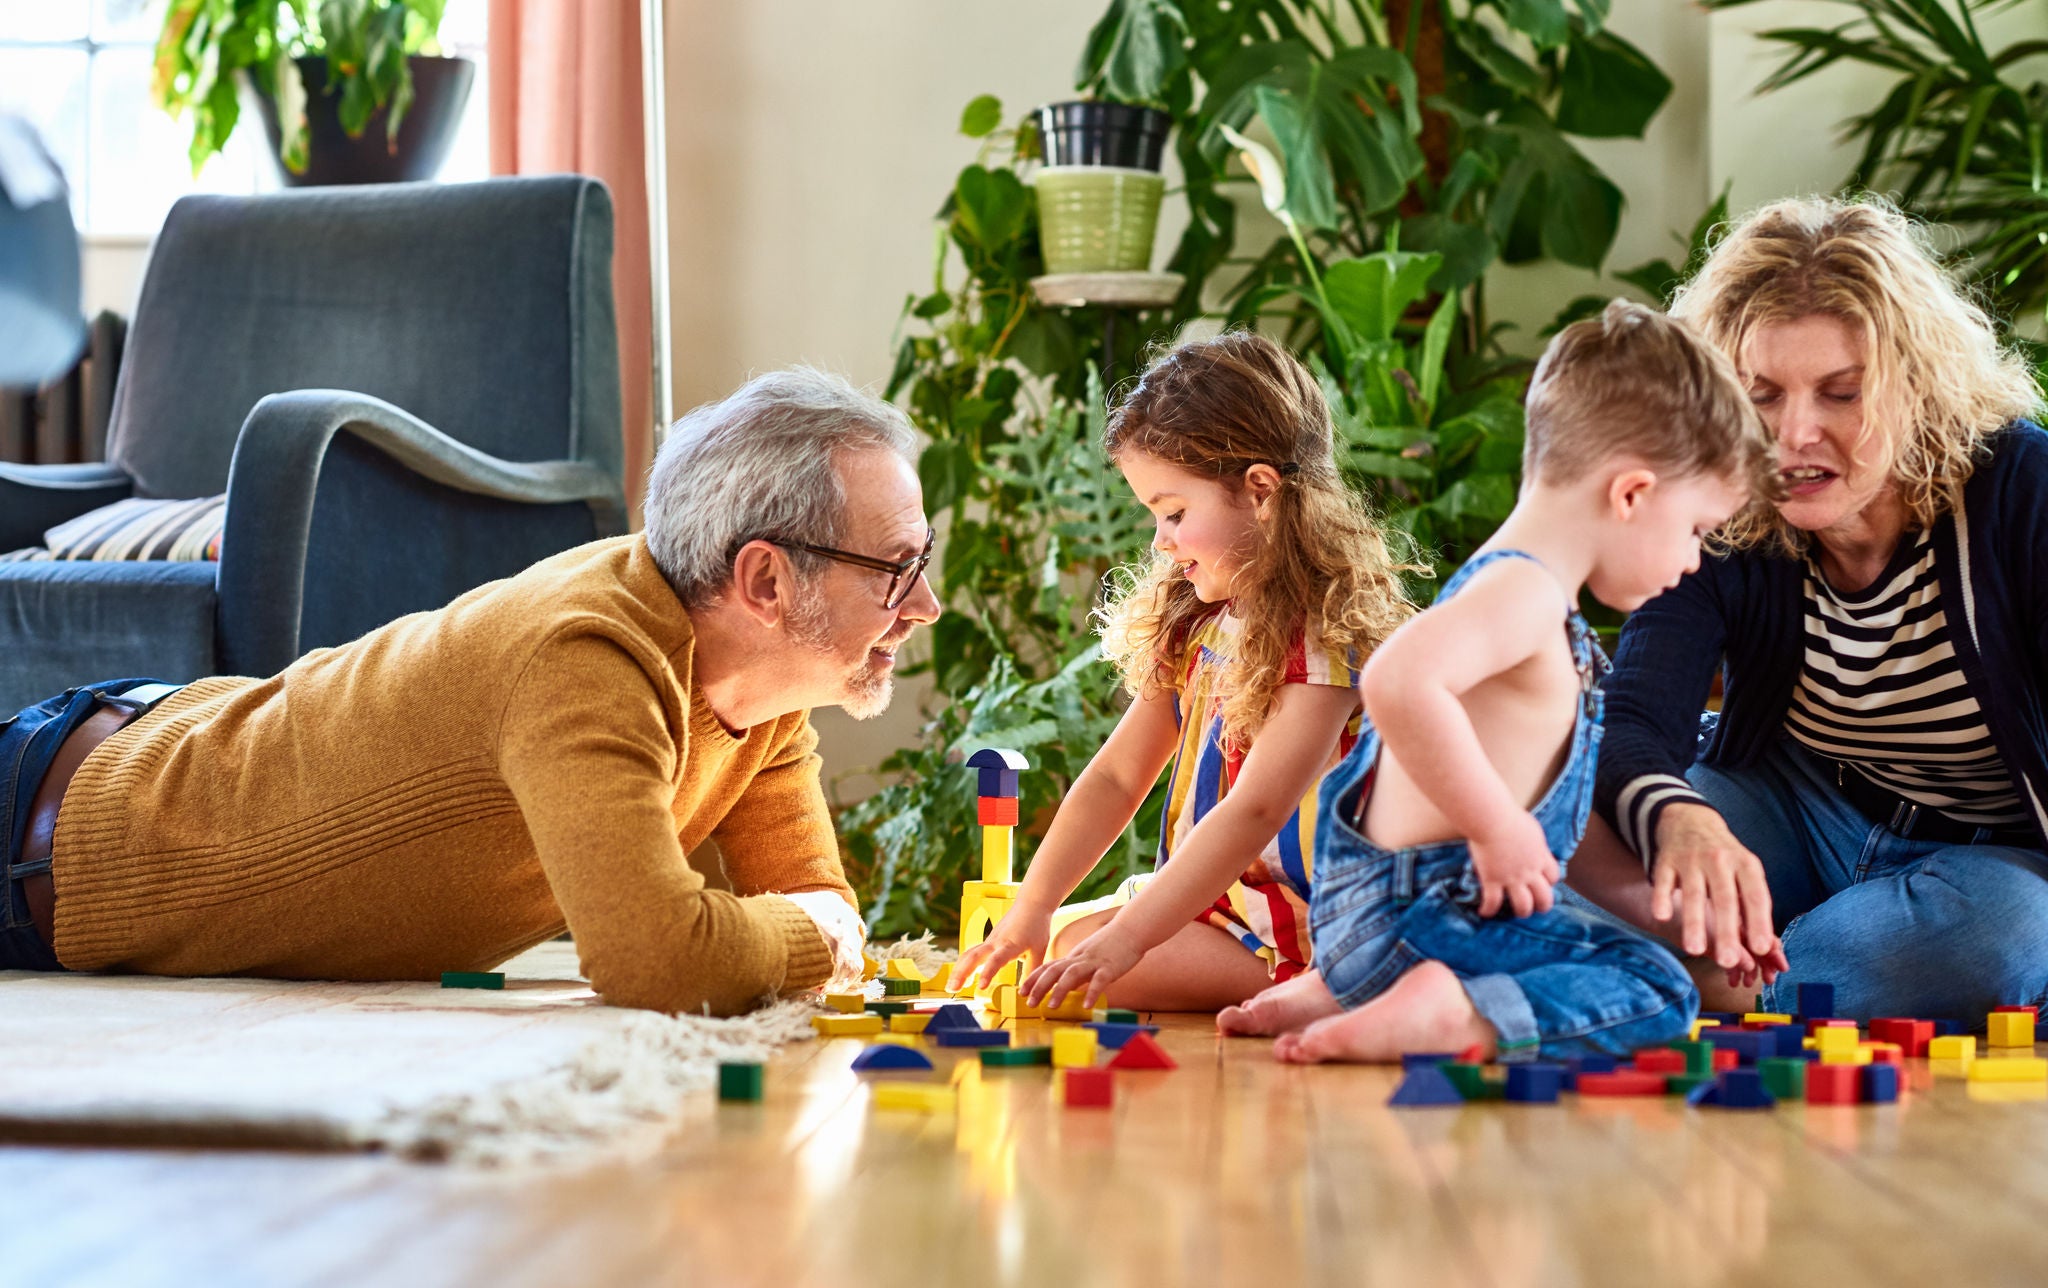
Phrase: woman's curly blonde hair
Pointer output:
(1936, 375)
(1215, 408)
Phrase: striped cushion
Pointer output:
(138, 529)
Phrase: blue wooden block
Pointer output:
(1536, 1084)
(1742, 1089)
(1426, 1086)
(969, 1037)
(1790, 1039)
(891, 1057)
(1880, 1083)
(1949, 1028)
(1816, 1001)
(1748, 1047)
(951, 1016)
(997, 769)
(1707, 1093)
(1577, 1065)
(1721, 1017)
(1115, 1035)
(1416, 1059)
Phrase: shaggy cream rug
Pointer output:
(540, 1071)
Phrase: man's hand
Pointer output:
(1515, 866)
(1099, 961)
(1023, 931)
(1720, 888)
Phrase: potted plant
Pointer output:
(350, 91)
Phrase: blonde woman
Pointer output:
(1874, 787)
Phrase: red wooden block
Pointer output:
(1660, 1060)
(2030, 1010)
(1833, 1084)
(1886, 1055)
(1089, 1088)
(1474, 1054)
(1622, 1082)
(995, 811)
(1911, 1036)
(1726, 1060)
(1143, 1052)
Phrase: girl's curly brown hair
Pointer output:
(1215, 408)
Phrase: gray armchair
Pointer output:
(405, 391)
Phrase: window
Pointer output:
(79, 71)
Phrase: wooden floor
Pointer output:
(1231, 1170)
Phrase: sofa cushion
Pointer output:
(69, 623)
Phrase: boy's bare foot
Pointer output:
(1280, 1009)
(1425, 1010)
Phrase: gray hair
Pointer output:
(761, 463)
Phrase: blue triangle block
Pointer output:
(951, 1016)
(891, 1057)
(1742, 1089)
(1707, 1093)
(1426, 1087)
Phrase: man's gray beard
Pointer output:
(868, 690)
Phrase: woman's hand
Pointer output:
(1514, 866)
(1720, 889)
(1024, 930)
(1098, 961)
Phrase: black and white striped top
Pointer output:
(1881, 689)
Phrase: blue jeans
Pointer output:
(1925, 929)
(28, 743)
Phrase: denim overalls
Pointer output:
(1560, 982)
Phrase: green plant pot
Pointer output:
(1097, 218)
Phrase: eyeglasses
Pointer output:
(903, 573)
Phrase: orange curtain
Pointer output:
(565, 81)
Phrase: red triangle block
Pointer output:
(1143, 1052)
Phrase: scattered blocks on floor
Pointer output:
(916, 1097)
(1115, 1035)
(1015, 1057)
(1699, 1056)
(1910, 1036)
(1424, 1087)
(1535, 1083)
(1141, 1052)
(976, 1037)
(1834, 1084)
(739, 1080)
(2009, 1069)
(888, 1056)
(849, 1003)
(1959, 1047)
(1742, 1089)
(908, 1022)
(472, 979)
(951, 1016)
(1784, 1076)
(2009, 1029)
(1835, 1040)
(846, 1026)
(1073, 1048)
(1816, 1001)
(1086, 1088)
(1880, 1083)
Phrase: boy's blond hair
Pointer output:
(1635, 382)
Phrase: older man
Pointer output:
(542, 753)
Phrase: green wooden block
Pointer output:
(902, 987)
(1681, 1084)
(1699, 1056)
(1470, 1080)
(1119, 1016)
(472, 979)
(888, 1008)
(739, 1081)
(1784, 1078)
(1000, 1056)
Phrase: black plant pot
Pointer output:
(1082, 133)
(440, 90)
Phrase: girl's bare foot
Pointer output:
(1425, 1010)
(1280, 1009)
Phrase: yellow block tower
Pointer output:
(983, 903)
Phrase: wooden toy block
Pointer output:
(2009, 1069)
(1766, 1017)
(846, 1026)
(1117, 1015)
(969, 1037)
(1684, 1084)
(901, 968)
(739, 1081)
(917, 1097)
(1073, 1048)
(1726, 1060)
(2030, 1010)
(1949, 1028)
(1142, 1052)
(1012, 1057)
(1469, 1079)
(909, 1022)
(1960, 1046)
(1622, 1082)
(902, 987)
(1415, 1059)
(1115, 1035)
(1747, 1046)
(1577, 1065)
(1702, 1093)
(995, 811)
(940, 979)
(1883, 1052)
(1835, 1039)
(472, 979)
(890, 1056)
(1534, 1083)
(998, 854)
(1880, 1084)
(1070, 1009)
(1474, 1054)
(1426, 1087)
(1815, 1026)
(1857, 1055)
(849, 1003)
(951, 1016)
(1784, 1077)
(1086, 1088)
(1816, 1001)
(2009, 1029)
(1783, 1039)
(997, 771)
(1834, 1084)
(886, 1008)
(1660, 1060)
(1004, 1003)
(1742, 1089)
(1910, 1036)
(868, 968)
(1698, 1025)
(982, 905)
(1721, 1017)
(894, 1039)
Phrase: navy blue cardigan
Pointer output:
(1743, 611)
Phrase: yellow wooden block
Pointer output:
(1961, 1047)
(938, 981)
(1004, 1003)
(1850, 1055)
(849, 1003)
(868, 968)
(901, 968)
(1009, 976)
(918, 1097)
(2009, 1029)
(894, 1039)
(998, 852)
(908, 1023)
(982, 905)
(1879, 1048)
(846, 1026)
(2020, 1069)
(1841, 1038)
(1070, 1009)
(1699, 1025)
(1073, 1048)
(1766, 1017)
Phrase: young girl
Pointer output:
(1239, 646)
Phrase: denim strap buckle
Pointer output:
(1404, 878)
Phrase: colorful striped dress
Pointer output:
(1267, 907)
